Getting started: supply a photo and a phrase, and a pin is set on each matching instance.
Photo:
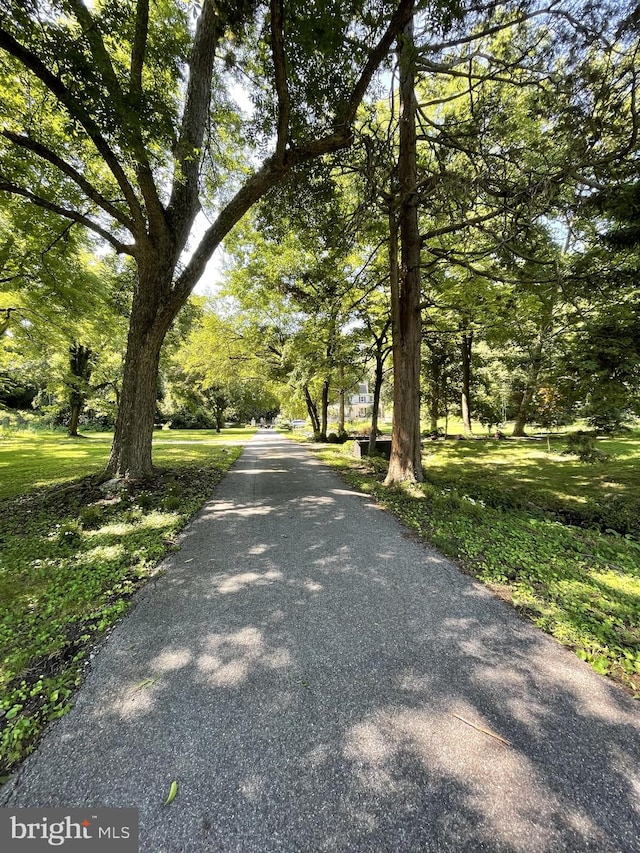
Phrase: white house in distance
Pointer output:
(360, 404)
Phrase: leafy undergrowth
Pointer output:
(582, 585)
(71, 559)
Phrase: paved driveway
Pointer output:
(317, 681)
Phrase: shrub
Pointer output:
(583, 445)
(70, 534)
(172, 503)
(91, 516)
(187, 419)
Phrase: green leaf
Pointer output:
(601, 665)
(13, 712)
(173, 790)
(145, 683)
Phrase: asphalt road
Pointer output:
(315, 680)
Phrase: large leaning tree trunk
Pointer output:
(128, 160)
(405, 464)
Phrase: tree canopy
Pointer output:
(493, 191)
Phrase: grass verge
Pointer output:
(71, 558)
(520, 530)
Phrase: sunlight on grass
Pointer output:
(552, 481)
(620, 583)
(121, 528)
(72, 559)
(557, 538)
(103, 553)
(36, 460)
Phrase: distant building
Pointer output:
(360, 405)
(357, 406)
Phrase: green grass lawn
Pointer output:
(523, 473)
(72, 556)
(558, 538)
(31, 460)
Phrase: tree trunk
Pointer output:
(435, 381)
(150, 320)
(531, 385)
(219, 415)
(377, 389)
(406, 455)
(74, 418)
(324, 412)
(311, 410)
(466, 347)
(341, 394)
(80, 368)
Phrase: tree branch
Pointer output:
(90, 191)
(55, 85)
(459, 226)
(120, 247)
(129, 119)
(488, 31)
(184, 202)
(139, 48)
(280, 76)
(99, 52)
(397, 23)
(273, 172)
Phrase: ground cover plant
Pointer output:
(73, 554)
(556, 537)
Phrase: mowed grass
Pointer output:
(30, 460)
(72, 556)
(526, 473)
(557, 538)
